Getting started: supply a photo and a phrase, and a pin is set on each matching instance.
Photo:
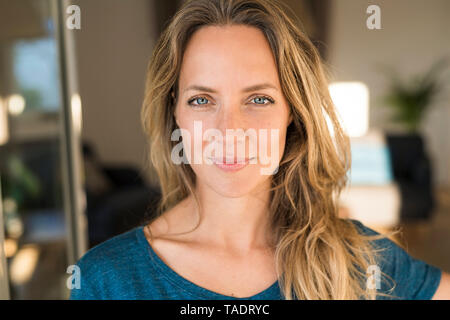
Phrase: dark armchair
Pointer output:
(413, 173)
(118, 198)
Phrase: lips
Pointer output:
(228, 164)
(231, 160)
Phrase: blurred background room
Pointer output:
(73, 157)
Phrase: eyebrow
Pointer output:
(248, 89)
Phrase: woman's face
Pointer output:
(229, 81)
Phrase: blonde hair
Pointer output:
(318, 255)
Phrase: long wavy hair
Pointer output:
(318, 254)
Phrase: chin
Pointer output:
(234, 184)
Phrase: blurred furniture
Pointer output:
(118, 198)
(413, 173)
(372, 196)
(31, 178)
(35, 224)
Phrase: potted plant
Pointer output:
(411, 99)
(412, 168)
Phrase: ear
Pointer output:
(291, 118)
(174, 101)
(175, 118)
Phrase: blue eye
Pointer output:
(200, 101)
(262, 99)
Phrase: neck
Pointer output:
(240, 224)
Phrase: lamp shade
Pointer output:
(352, 103)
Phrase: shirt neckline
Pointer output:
(189, 286)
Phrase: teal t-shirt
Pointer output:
(125, 267)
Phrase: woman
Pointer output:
(234, 226)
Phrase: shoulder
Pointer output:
(381, 243)
(363, 229)
(111, 252)
(107, 262)
(407, 276)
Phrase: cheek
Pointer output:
(275, 138)
(193, 132)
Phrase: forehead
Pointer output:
(222, 55)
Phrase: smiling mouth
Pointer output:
(228, 164)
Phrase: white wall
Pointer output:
(113, 48)
(414, 34)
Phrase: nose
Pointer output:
(229, 117)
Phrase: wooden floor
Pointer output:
(430, 241)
